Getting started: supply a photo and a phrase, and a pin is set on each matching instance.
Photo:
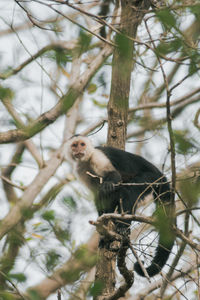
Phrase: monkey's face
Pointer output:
(80, 148)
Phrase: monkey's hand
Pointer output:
(107, 187)
(110, 182)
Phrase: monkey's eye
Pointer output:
(74, 145)
(82, 144)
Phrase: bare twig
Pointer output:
(140, 262)
(196, 119)
(22, 188)
(14, 286)
(183, 237)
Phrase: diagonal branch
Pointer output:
(54, 46)
(70, 270)
(63, 105)
(19, 211)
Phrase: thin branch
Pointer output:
(22, 188)
(25, 26)
(114, 216)
(158, 283)
(53, 46)
(64, 104)
(196, 119)
(14, 286)
(180, 100)
(20, 124)
(70, 19)
(168, 116)
(183, 237)
(140, 262)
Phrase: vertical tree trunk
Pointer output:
(132, 13)
(122, 65)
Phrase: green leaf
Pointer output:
(6, 93)
(91, 88)
(101, 80)
(61, 56)
(190, 190)
(166, 17)
(62, 234)
(194, 62)
(48, 215)
(33, 295)
(195, 10)
(83, 42)
(7, 296)
(96, 289)
(20, 277)
(27, 213)
(52, 260)
(173, 46)
(82, 254)
(183, 145)
(99, 104)
(69, 202)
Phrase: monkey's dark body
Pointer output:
(108, 169)
(131, 168)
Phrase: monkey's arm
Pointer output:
(109, 180)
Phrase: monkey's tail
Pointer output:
(164, 221)
(159, 260)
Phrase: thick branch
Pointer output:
(19, 211)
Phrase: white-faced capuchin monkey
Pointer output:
(116, 167)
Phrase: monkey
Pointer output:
(117, 168)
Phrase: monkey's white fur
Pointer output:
(93, 159)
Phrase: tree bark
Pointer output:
(132, 13)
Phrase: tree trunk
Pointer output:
(132, 13)
(122, 65)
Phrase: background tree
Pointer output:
(55, 81)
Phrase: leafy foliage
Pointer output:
(190, 191)
(167, 18)
(30, 86)
(96, 289)
(52, 259)
(184, 145)
(6, 93)
(49, 215)
(84, 41)
(69, 202)
(19, 277)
